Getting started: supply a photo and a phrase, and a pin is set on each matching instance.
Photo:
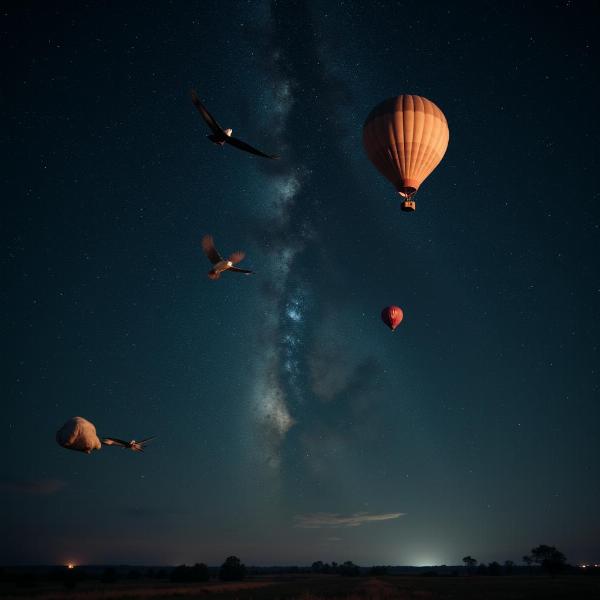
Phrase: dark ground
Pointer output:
(315, 587)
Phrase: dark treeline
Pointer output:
(543, 560)
(347, 568)
(231, 570)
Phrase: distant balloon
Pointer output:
(406, 138)
(392, 316)
(78, 434)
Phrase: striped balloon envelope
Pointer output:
(406, 138)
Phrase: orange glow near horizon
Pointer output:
(70, 566)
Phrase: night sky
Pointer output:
(292, 425)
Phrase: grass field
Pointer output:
(317, 587)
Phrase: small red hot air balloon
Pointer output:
(392, 316)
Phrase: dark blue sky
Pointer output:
(293, 426)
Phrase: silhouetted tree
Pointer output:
(199, 572)
(378, 570)
(528, 560)
(317, 566)
(494, 568)
(178, 573)
(549, 558)
(349, 569)
(481, 569)
(509, 566)
(232, 569)
(470, 562)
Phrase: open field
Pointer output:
(331, 587)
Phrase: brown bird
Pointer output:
(132, 445)
(222, 136)
(219, 263)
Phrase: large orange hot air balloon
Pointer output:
(392, 316)
(406, 138)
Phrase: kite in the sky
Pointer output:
(79, 434)
(219, 263)
(222, 136)
(406, 138)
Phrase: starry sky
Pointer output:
(292, 425)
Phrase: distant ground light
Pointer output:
(426, 561)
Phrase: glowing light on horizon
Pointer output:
(426, 561)
(70, 565)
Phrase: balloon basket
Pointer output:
(409, 206)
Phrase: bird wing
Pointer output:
(236, 270)
(139, 446)
(247, 147)
(237, 257)
(208, 245)
(210, 120)
(146, 440)
(110, 441)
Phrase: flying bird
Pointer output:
(222, 136)
(219, 263)
(132, 445)
(80, 434)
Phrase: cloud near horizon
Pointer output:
(318, 520)
(38, 487)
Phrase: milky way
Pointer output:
(292, 425)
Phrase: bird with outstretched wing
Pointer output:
(222, 136)
(219, 263)
(135, 446)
